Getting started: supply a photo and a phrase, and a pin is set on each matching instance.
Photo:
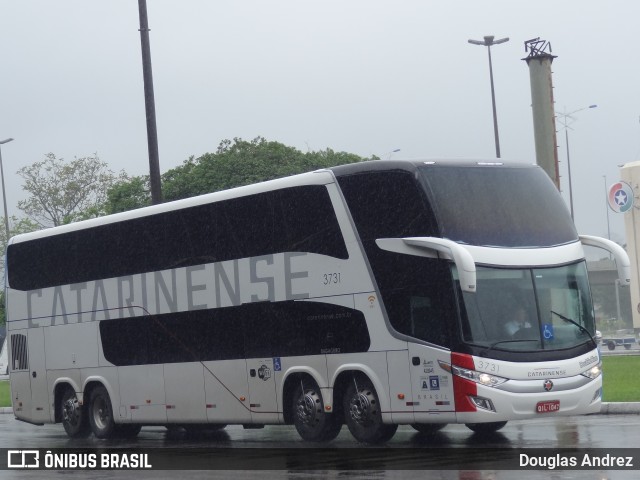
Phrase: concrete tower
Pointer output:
(544, 122)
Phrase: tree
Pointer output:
(235, 163)
(63, 192)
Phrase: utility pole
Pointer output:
(150, 106)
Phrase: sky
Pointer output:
(363, 76)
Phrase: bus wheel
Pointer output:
(311, 421)
(74, 420)
(484, 428)
(363, 415)
(428, 428)
(101, 413)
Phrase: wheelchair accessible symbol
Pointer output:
(547, 331)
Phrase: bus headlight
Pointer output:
(482, 378)
(593, 372)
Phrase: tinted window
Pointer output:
(388, 204)
(499, 206)
(252, 330)
(298, 219)
(417, 292)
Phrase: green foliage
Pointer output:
(234, 164)
(5, 394)
(128, 194)
(62, 192)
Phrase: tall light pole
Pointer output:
(566, 119)
(4, 195)
(488, 42)
(150, 106)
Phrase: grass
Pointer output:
(5, 396)
(621, 378)
(621, 381)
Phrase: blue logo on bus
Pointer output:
(547, 331)
(277, 366)
(434, 382)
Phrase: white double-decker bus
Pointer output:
(374, 294)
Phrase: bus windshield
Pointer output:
(498, 206)
(529, 309)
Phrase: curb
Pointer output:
(620, 408)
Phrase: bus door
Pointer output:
(30, 395)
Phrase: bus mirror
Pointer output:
(433, 247)
(623, 263)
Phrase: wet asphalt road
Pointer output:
(456, 445)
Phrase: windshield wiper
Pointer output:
(490, 347)
(573, 322)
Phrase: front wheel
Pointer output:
(485, 428)
(101, 413)
(74, 419)
(363, 415)
(311, 421)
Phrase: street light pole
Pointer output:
(488, 42)
(4, 194)
(566, 120)
(150, 106)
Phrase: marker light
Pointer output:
(479, 377)
(483, 403)
(593, 372)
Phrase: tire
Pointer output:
(627, 346)
(485, 428)
(101, 413)
(363, 415)
(74, 417)
(611, 345)
(307, 410)
(428, 428)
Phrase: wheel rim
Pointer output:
(309, 408)
(100, 412)
(71, 411)
(361, 408)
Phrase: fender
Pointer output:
(383, 393)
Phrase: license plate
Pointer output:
(548, 406)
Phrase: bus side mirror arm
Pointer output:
(623, 263)
(436, 248)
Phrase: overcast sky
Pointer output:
(362, 76)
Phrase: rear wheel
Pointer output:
(484, 428)
(311, 421)
(363, 415)
(74, 419)
(101, 413)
